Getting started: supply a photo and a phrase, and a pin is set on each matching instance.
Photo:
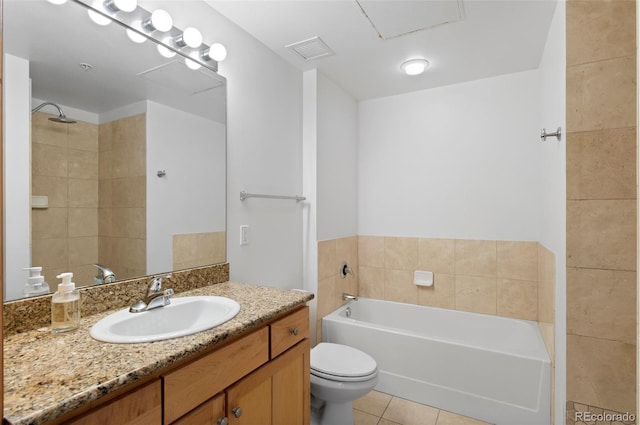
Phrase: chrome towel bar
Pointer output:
(244, 195)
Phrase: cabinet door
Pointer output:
(211, 412)
(290, 386)
(249, 401)
(139, 407)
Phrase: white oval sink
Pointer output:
(184, 316)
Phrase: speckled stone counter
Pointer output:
(48, 375)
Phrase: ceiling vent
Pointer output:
(312, 48)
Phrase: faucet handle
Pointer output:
(155, 284)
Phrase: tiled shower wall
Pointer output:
(65, 168)
(123, 196)
(601, 205)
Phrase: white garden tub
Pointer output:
(491, 368)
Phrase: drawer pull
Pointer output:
(223, 421)
(294, 331)
(237, 411)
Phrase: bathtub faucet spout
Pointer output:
(348, 297)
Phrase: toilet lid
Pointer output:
(341, 360)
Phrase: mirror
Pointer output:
(138, 182)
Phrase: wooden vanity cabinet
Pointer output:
(247, 382)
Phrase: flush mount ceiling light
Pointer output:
(159, 20)
(121, 5)
(191, 37)
(414, 66)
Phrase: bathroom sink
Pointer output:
(184, 316)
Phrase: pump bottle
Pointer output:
(35, 283)
(65, 305)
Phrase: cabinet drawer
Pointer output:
(289, 330)
(193, 384)
(211, 412)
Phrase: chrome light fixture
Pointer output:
(191, 37)
(121, 5)
(159, 20)
(216, 52)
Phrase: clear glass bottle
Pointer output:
(65, 305)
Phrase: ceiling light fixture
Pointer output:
(98, 18)
(160, 20)
(190, 37)
(57, 1)
(414, 66)
(121, 5)
(217, 52)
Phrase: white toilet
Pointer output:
(339, 375)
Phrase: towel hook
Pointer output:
(557, 134)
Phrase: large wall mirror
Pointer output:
(137, 182)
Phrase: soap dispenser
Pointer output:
(65, 305)
(35, 283)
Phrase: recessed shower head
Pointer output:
(61, 118)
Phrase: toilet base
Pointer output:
(331, 413)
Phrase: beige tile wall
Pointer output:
(195, 249)
(601, 204)
(65, 168)
(122, 201)
(331, 285)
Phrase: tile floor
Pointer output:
(378, 408)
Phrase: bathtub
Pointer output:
(491, 368)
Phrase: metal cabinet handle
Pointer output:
(237, 411)
(294, 331)
(223, 421)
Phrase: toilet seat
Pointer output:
(337, 362)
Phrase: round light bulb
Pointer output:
(98, 18)
(192, 64)
(414, 66)
(192, 37)
(135, 37)
(126, 5)
(167, 53)
(161, 20)
(217, 52)
(57, 1)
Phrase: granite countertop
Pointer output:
(47, 375)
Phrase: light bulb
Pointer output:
(135, 37)
(192, 64)
(217, 52)
(167, 53)
(98, 18)
(415, 66)
(123, 5)
(160, 20)
(190, 37)
(57, 1)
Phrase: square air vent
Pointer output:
(312, 48)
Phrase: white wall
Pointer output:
(17, 174)
(459, 161)
(553, 181)
(337, 161)
(195, 165)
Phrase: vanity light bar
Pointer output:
(159, 26)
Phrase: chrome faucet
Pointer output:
(156, 297)
(348, 297)
(345, 269)
(105, 275)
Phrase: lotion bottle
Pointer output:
(65, 305)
